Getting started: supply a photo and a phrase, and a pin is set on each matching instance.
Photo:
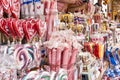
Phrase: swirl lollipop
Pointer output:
(22, 57)
(62, 75)
(33, 51)
(31, 75)
(43, 76)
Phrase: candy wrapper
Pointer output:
(26, 10)
(39, 9)
(31, 8)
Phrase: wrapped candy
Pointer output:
(39, 9)
(31, 8)
(25, 8)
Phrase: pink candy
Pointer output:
(11, 7)
(18, 28)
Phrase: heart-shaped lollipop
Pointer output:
(17, 25)
(10, 26)
(6, 5)
(15, 8)
(40, 27)
(4, 28)
(29, 30)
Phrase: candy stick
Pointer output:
(50, 56)
(66, 56)
(73, 57)
(53, 57)
(58, 61)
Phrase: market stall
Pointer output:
(58, 40)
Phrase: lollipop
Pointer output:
(29, 30)
(4, 28)
(10, 26)
(33, 51)
(40, 28)
(18, 29)
(22, 57)
(31, 75)
(6, 6)
(62, 75)
(15, 8)
(43, 76)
